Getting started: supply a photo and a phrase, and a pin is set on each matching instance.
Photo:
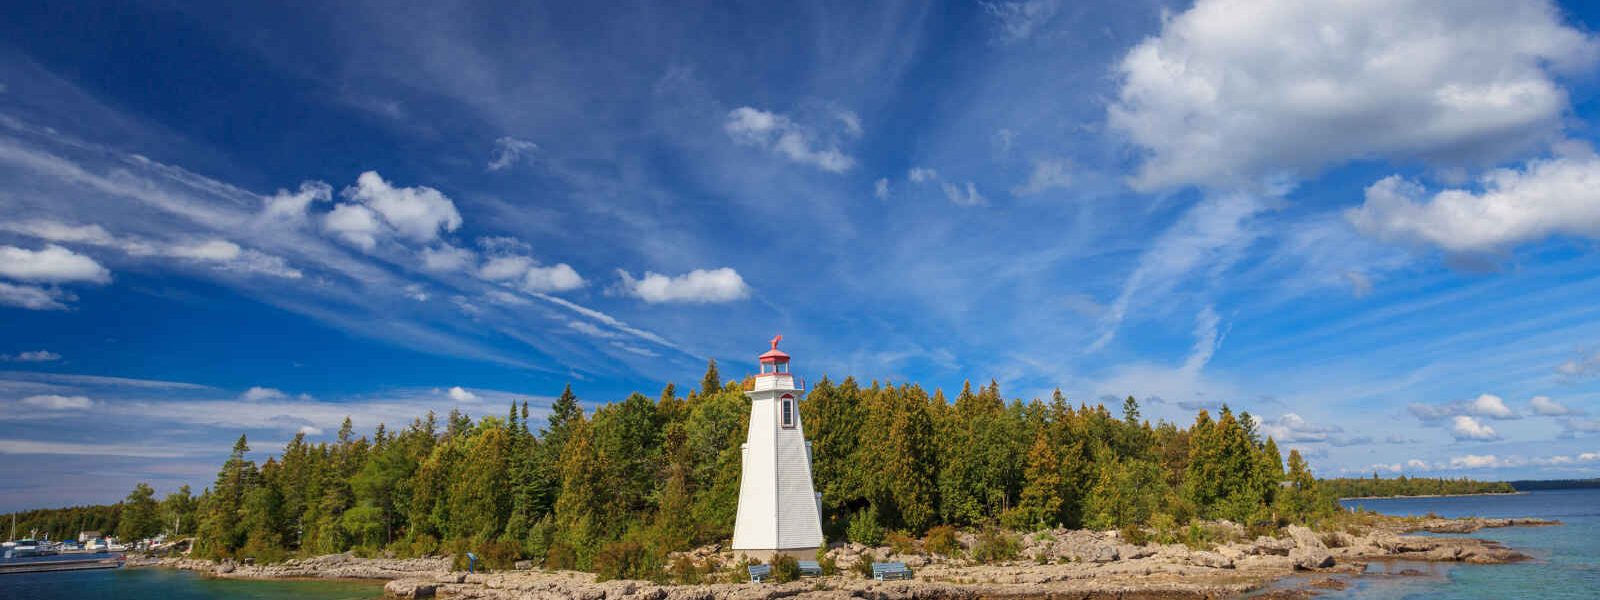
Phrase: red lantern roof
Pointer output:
(775, 355)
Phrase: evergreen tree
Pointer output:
(141, 517)
(1041, 501)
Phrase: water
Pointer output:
(1566, 558)
(169, 584)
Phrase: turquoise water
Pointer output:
(168, 584)
(1566, 560)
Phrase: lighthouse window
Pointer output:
(788, 410)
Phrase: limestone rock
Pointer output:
(1309, 551)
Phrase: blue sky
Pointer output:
(1370, 224)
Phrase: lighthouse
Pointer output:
(780, 511)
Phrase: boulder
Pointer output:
(410, 588)
(1309, 551)
(1210, 559)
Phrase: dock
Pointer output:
(46, 566)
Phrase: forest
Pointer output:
(1377, 487)
(617, 490)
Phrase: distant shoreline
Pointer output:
(1433, 496)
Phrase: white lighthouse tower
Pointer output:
(779, 509)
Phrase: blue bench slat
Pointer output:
(809, 567)
(892, 570)
(760, 572)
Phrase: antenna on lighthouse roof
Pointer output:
(775, 341)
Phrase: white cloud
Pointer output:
(921, 175)
(291, 207)
(508, 150)
(1233, 91)
(1047, 175)
(446, 258)
(81, 448)
(1571, 427)
(1477, 461)
(416, 292)
(58, 402)
(501, 268)
(60, 232)
(309, 430)
(1292, 428)
(260, 394)
(30, 297)
(1555, 196)
(1485, 405)
(558, 278)
(355, 224)
(209, 250)
(415, 213)
(779, 134)
(881, 188)
(591, 330)
(461, 395)
(1416, 464)
(1212, 235)
(53, 264)
(1465, 428)
(1544, 406)
(968, 196)
(697, 286)
(31, 356)
(1492, 406)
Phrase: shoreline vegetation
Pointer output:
(646, 490)
(1411, 487)
(1079, 563)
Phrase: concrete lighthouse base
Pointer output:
(766, 556)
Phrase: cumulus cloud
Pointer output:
(1556, 196)
(1477, 461)
(697, 286)
(417, 214)
(1574, 427)
(781, 135)
(556, 278)
(1233, 91)
(1046, 175)
(357, 225)
(1465, 428)
(52, 264)
(1544, 406)
(446, 258)
(260, 394)
(31, 356)
(1292, 428)
(922, 175)
(291, 207)
(508, 150)
(461, 395)
(58, 402)
(1485, 405)
(880, 190)
(501, 268)
(60, 232)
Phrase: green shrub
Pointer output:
(995, 545)
(942, 540)
(499, 555)
(1134, 534)
(826, 562)
(864, 528)
(785, 568)
(1166, 528)
(1197, 537)
(684, 571)
(863, 566)
(901, 543)
(626, 559)
(561, 557)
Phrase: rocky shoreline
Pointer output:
(1052, 564)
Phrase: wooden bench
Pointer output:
(810, 568)
(760, 573)
(890, 570)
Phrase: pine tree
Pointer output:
(711, 383)
(141, 516)
(1041, 501)
(575, 516)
